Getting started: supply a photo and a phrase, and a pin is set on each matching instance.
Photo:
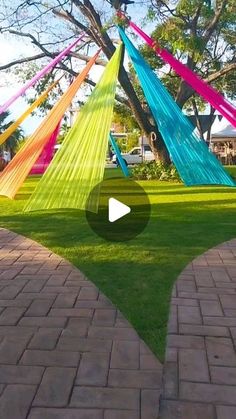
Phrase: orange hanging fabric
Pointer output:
(19, 167)
(6, 134)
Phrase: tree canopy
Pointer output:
(200, 33)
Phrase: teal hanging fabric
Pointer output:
(119, 157)
(194, 162)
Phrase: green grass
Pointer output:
(231, 170)
(138, 275)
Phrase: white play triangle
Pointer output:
(117, 210)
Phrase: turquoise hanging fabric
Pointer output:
(119, 157)
(194, 162)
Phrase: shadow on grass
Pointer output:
(138, 275)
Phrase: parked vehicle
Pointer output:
(136, 156)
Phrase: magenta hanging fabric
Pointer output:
(47, 154)
(199, 85)
(39, 75)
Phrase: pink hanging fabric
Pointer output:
(47, 154)
(39, 75)
(199, 85)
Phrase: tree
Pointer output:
(203, 35)
(214, 60)
(61, 19)
(11, 144)
(76, 16)
(124, 117)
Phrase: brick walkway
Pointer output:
(65, 351)
(200, 367)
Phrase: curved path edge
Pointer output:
(65, 351)
(200, 366)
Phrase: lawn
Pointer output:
(231, 170)
(138, 275)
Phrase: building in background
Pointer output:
(223, 142)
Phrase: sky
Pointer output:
(12, 48)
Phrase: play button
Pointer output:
(123, 211)
(117, 210)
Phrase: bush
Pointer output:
(155, 170)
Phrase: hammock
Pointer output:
(19, 167)
(119, 157)
(194, 162)
(47, 154)
(38, 76)
(6, 134)
(79, 164)
(205, 90)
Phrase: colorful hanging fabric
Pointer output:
(6, 134)
(119, 157)
(78, 166)
(19, 167)
(193, 160)
(47, 154)
(200, 86)
(39, 75)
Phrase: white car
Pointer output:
(136, 155)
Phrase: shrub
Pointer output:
(155, 170)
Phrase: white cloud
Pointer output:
(14, 48)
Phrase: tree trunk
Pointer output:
(103, 40)
(211, 123)
(198, 122)
(184, 93)
(158, 147)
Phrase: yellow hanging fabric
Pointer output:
(6, 134)
(79, 164)
(19, 167)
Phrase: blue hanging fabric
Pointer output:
(193, 160)
(119, 157)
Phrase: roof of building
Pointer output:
(223, 130)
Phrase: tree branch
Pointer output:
(61, 65)
(194, 22)
(86, 58)
(166, 9)
(199, 125)
(213, 24)
(22, 61)
(102, 39)
(70, 18)
(186, 91)
(33, 40)
(227, 69)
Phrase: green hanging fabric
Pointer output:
(79, 164)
